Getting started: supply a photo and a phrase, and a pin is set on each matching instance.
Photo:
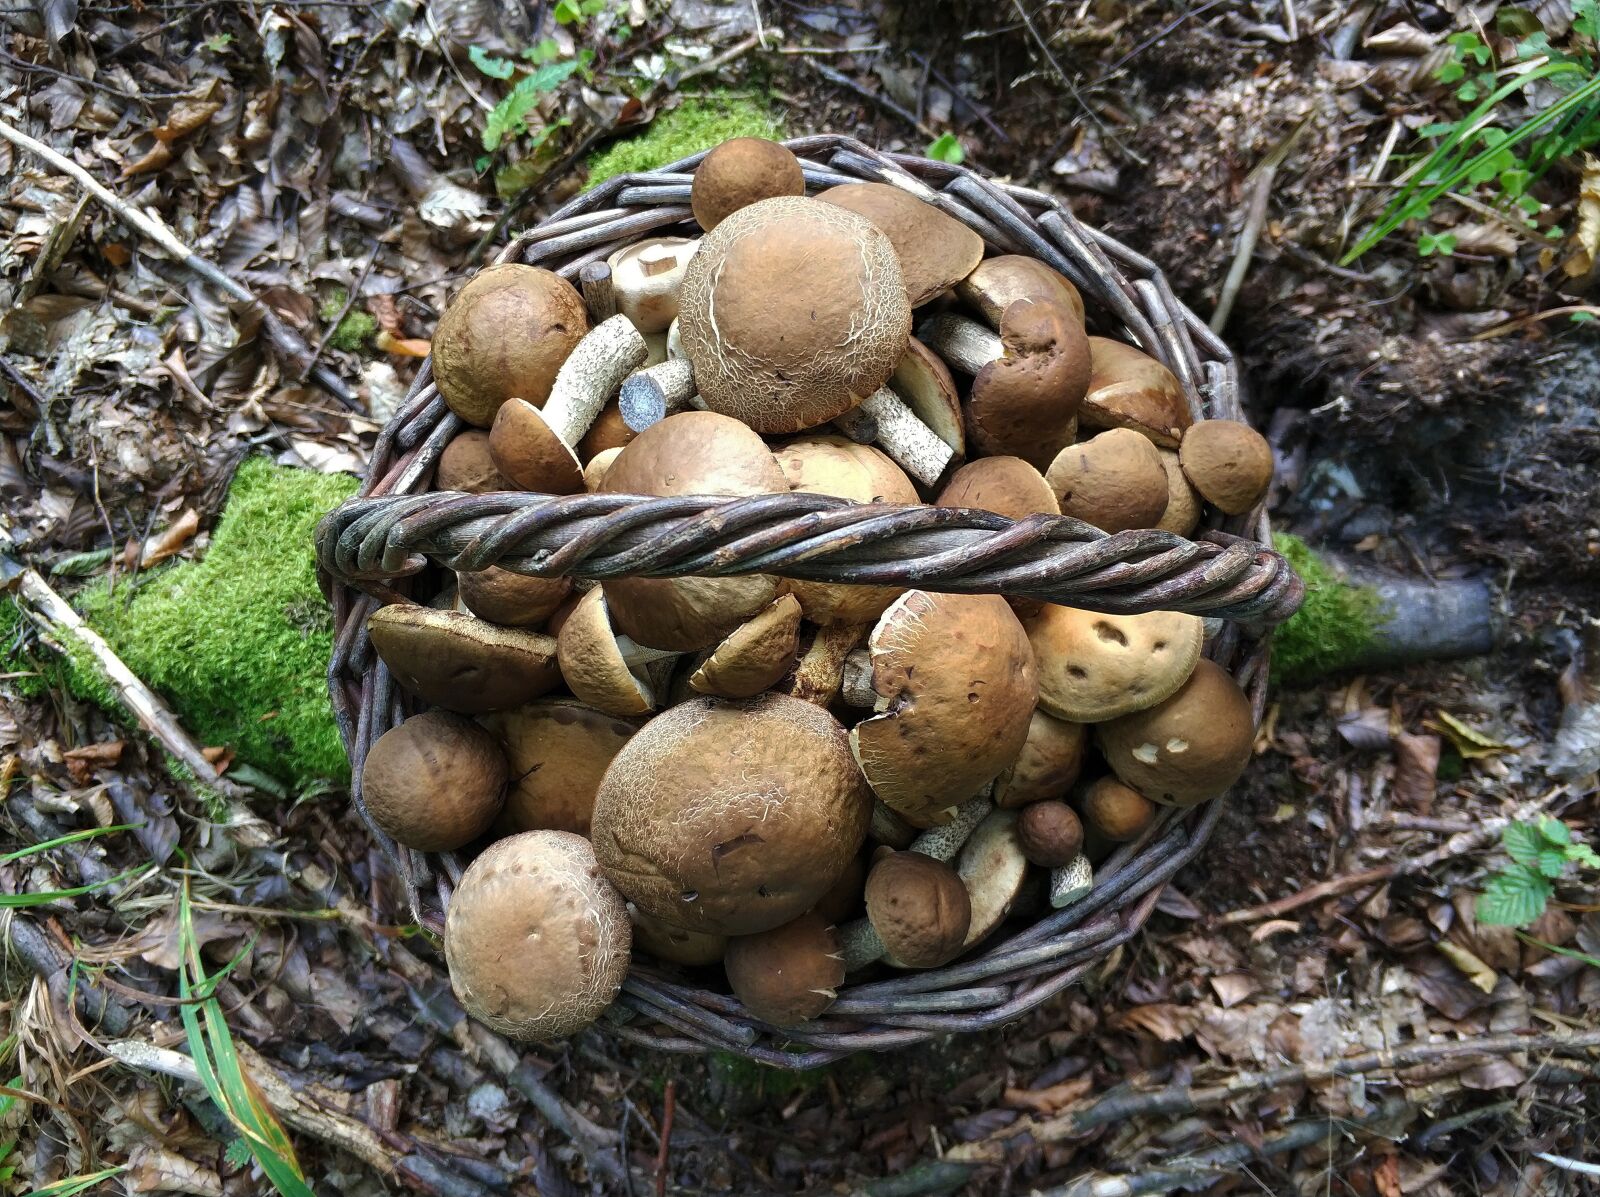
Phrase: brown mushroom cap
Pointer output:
(675, 944)
(465, 465)
(1117, 812)
(1008, 486)
(936, 251)
(919, 908)
(1130, 389)
(691, 453)
(731, 817)
(792, 311)
(592, 663)
(435, 782)
(1228, 462)
(1183, 512)
(645, 278)
(997, 283)
(755, 655)
(609, 431)
(558, 751)
(1025, 402)
(843, 900)
(505, 335)
(788, 975)
(1188, 749)
(528, 452)
(739, 173)
(992, 867)
(1113, 481)
(1049, 834)
(1049, 762)
(511, 599)
(594, 471)
(1094, 667)
(923, 381)
(536, 938)
(459, 662)
(956, 685)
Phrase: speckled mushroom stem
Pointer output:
(911, 443)
(855, 684)
(650, 395)
(819, 673)
(595, 281)
(859, 945)
(608, 353)
(1071, 882)
(858, 426)
(637, 654)
(963, 343)
(944, 841)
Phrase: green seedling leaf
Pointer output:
(495, 68)
(1442, 244)
(543, 51)
(1554, 831)
(1586, 18)
(567, 12)
(1552, 862)
(1522, 843)
(1514, 898)
(73, 837)
(947, 147)
(1449, 72)
(1467, 92)
(1584, 855)
(23, 901)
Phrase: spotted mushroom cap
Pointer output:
(1049, 834)
(1189, 748)
(459, 662)
(788, 975)
(1229, 463)
(1049, 762)
(1094, 666)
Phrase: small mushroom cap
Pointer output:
(731, 817)
(1113, 481)
(919, 908)
(674, 944)
(1227, 462)
(1117, 812)
(558, 751)
(1094, 667)
(691, 453)
(997, 283)
(788, 975)
(956, 685)
(434, 782)
(646, 277)
(594, 473)
(739, 173)
(843, 900)
(1025, 402)
(528, 451)
(936, 251)
(1130, 389)
(1007, 486)
(536, 938)
(1188, 749)
(459, 662)
(1049, 834)
(465, 465)
(792, 311)
(923, 381)
(609, 431)
(511, 599)
(505, 334)
(1183, 512)
(592, 662)
(755, 655)
(992, 867)
(1049, 763)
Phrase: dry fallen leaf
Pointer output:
(1416, 763)
(1165, 1021)
(1586, 237)
(1479, 973)
(1471, 743)
(1233, 988)
(82, 762)
(404, 346)
(1050, 1100)
(171, 540)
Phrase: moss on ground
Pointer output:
(1332, 627)
(356, 327)
(692, 126)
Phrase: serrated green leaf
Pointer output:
(495, 68)
(1552, 862)
(1522, 843)
(1554, 831)
(1514, 898)
(1580, 851)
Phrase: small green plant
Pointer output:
(947, 147)
(44, 897)
(1541, 853)
(355, 326)
(73, 1185)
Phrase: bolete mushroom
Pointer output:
(754, 655)
(434, 782)
(918, 913)
(740, 172)
(936, 251)
(1113, 481)
(675, 944)
(465, 465)
(1094, 667)
(997, 283)
(459, 662)
(1007, 486)
(788, 975)
(1117, 812)
(1050, 760)
(1229, 463)
(650, 395)
(819, 673)
(883, 418)
(1049, 834)
(1189, 748)
(602, 668)
(993, 869)
(609, 431)
(645, 278)
(843, 900)
(536, 939)
(923, 382)
(510, 599)
(558, 750)
(1184, 507)
(594, 472)
(1130, 389)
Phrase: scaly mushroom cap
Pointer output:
(1007, 486)
(435, 782)
(459, 662)
(608, 431)
(1113, 481)
(465, 465)
(936, 251)
(755, 655)
(1228, 462)
(919, 908)
(792, 311)
(1188, 749)
(1049, 762)
(1049, 834)
(1025, 402)
(536, 938)
(691, 453)
(558, 751)
(505, 335)
(788, 975)
(992, 867)
(739, 173)
(997, 283)
(510, 599)
(528, 451)
(1183, 512)
(956, 685)
(1116, 811)
(592, 662)
(1130, 389)
(1094, 667)
(923, 381)
(731, 817)
(674, 944)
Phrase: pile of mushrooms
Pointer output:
(792, 781)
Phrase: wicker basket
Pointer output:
(375, 549)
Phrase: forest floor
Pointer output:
(1433, 414)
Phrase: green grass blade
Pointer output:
(71, 838)
(42, 897)
(1591, 961)
(73, 1185)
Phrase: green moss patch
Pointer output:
(692, 126)
(1331, 628)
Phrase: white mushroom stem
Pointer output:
(911, 443)
(887, 826)
(964, 344)
(944, 841)
(860, 945)
(636, 655)
(656, 392)
(1071, 882)
(595, 281)
(856, 685)
(858, 426)
(674, 343)
(608, 353)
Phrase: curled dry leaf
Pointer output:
(1050, 1100)
(171, 540)
(403, 346)
(1416, 764)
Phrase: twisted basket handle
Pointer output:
(367, 543)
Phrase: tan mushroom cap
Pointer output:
(691, 453)
(997, 283)
(646, 277)
(1113, 481)
(505, 335)
(1094, 667)
(919, 908)
(1025, 402)
(465, 465)
(592, 663)
(731, 817)
(843, 900)
(1130, 389)
(1184, 506)
(1049, 834)
(1227, 462)
(956, 685)
(434, 782)
(936, 251)
(923, 381)
(1117, 812)
(741, 172)
(755, 655)
(674, 944)
(992, 867)
(558, 751)
(608, 431)
(459, 662)
(1007, 486)
(788, 975)
(536, 938)
(528, 452)
(1188, 749)
(792, 312)
(1050, 760)
(511, 599)
(594, 473)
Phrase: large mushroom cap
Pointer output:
(997, 283)
(1007, 486)
(593, 664)
(435, 782)
(527, 450)
(1188, 749)
(936, 251)
(993, 868)
(1228, 462)
(1130, 389)
(514, 600)
(1094, 667)
(792, 311)
(1113, 481)
(1025, 402)
(505, 335)
(924, 382)
(739, 173)
(466, 465)
(1050, 759)
(919, 908)
(558, 751)
(536, 938)
(459, 662)
(675, 944)
(788, 975)
(731, 817)
(755, 655)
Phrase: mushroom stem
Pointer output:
(858, 426)
(819, 673)
(859, 945)
(912, 444)
(944, 841)
(1071, 882)
(598, 296)
(888, 827)
(963, 343)
(637, 654)
(608, 353)
(855, 683)
(656, 392)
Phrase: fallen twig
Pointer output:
(668, 1104)
(1255, 218)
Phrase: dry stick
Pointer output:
(669, 1102)
(1255, 218)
